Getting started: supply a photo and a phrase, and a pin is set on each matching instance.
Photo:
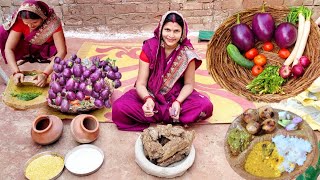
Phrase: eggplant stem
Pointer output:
(263, 6)
(238, 18)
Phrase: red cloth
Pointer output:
(19, 26)
(144, 57)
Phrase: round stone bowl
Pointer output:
(173, 170)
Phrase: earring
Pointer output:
(180, 40)
(162, 43)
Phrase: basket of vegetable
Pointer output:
(266, 54)
(79, 86)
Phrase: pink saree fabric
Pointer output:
(164, 84)
(34, 44)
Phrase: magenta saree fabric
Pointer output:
(34, 44)
(164, 84)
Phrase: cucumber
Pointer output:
(237, 57)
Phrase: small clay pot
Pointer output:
(46, 129)
(85, 128)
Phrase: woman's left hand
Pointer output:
(41, 80)
(175, 111)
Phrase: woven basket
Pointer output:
(235, 78)
(305, 132)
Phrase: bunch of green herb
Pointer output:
(26, 96)
(268, 82)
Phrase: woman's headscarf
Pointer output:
(50, 21)
(159, 69)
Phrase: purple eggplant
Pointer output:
(263, 26)
(77, 70)
(70, 84)
(52, 95)
(73, 56)
(67, 72)
(69, 63)
(117, 83)
(110, 75)
(95, 94)
(62, 81)
(107, 68)
(93, 68)
(88, 90)
(86, 73)
(94, 77)
(242, 36)
(57, 60)
(55, 86)
(55, 68)
(107, 103)
(80, 95)
(77, 61)
(58, 100)
(118, 75)
(115, 68)
(285, 35)
(65, 105)
(105, 94)
(98, 103)
(63, 92)
(97, 86)
(71, 95)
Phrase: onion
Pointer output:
(117, 83)
(297, 70)
(51, 94)
(80, 96)
(71, 95)
(285, 71)
(304, 61)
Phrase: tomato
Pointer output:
(260, 60)
(256, 70)
(284, 53)
(267, 46)
(251, 53)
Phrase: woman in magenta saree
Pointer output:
(33, 34)
(164, 90)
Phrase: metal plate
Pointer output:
(84, 159)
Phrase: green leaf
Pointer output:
(311, 173)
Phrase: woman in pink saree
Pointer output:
(34, 34)
(164, 90)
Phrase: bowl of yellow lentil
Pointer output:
(258, 156)
(44, 165)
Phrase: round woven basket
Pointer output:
(235, 78)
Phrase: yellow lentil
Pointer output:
(44, 167)
(262, 161)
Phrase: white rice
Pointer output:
(294, 151)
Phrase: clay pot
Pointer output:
(85, 128)
(46, 129)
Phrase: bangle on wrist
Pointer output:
(177, 101)
(16, 73)
(46, 74)
(146, 98)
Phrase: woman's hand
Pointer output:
(148, 108)
(41, 79)
(174, 111)
(18, 78)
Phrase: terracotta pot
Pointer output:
(85, 128)
(46, 129)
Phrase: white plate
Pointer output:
(174, 170)
(84, 159)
